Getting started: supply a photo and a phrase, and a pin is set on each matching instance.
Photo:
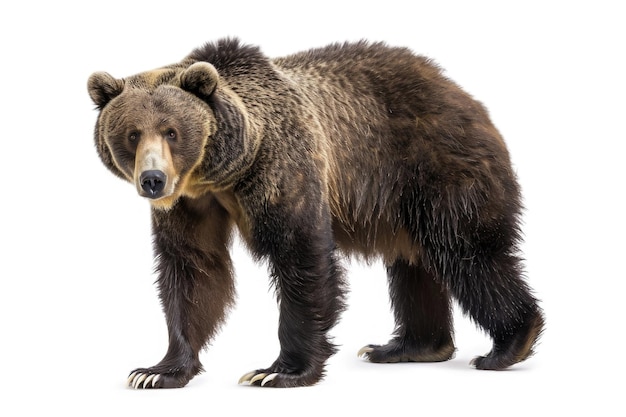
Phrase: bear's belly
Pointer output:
(377, 240)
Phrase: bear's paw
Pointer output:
(258, 378)
(400, 351)
(143, 380)
(272, 378)
(161, 377)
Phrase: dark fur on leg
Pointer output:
(513, 348)
(469, 236)
(195, 284)
(423, 318)
(310, 290)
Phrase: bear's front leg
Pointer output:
(195, 284)
(310, 291)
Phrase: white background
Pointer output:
(78, 308)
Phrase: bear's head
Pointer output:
(155, 128)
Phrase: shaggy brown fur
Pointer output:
(355, 148)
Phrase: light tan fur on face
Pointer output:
(153, 153)
(188, 185)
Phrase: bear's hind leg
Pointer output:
(476, 260)
(423, 318)
(500, 302)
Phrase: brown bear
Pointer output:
(351, 149)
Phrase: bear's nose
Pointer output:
(153, 182)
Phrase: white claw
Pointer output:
(268, 379)
(257, 377)
(364, 351)
(129, 381)
(246, 378)
(146, 383)
(133, 383)
(140, 378)
(155, 379)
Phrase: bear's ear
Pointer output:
(103, 88)
(200, 79)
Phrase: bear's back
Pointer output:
(392, 123)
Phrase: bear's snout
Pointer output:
(153, 182)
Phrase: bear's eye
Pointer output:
(170, 134)
(133, 136)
